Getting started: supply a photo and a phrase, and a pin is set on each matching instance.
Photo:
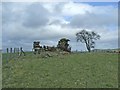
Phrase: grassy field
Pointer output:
(76, 70)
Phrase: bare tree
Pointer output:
(88, 38)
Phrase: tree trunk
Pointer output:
(88, 48)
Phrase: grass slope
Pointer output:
(80, 70)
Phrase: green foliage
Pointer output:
(76, 70)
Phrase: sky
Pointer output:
(47, 22)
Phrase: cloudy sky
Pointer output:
(23, 23)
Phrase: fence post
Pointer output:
(18, 50)
(14, 50)
(10, 50)
(7, 58)
(7, 50)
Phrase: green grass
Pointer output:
(79, 70)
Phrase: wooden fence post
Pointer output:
(10, 50)
(7, 58)
(7, 50)
(14, 50)
(18, 50)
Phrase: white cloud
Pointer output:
(75, 8)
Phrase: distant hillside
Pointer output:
(99, 50)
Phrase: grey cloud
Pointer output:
(58, 7)
(92, 20)
(107, 44)
(0, 26)
(7, 14)
(27, 45)
(32, 24)
(56, 22)
(12, 14)
(14, 34)
(36, 16)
